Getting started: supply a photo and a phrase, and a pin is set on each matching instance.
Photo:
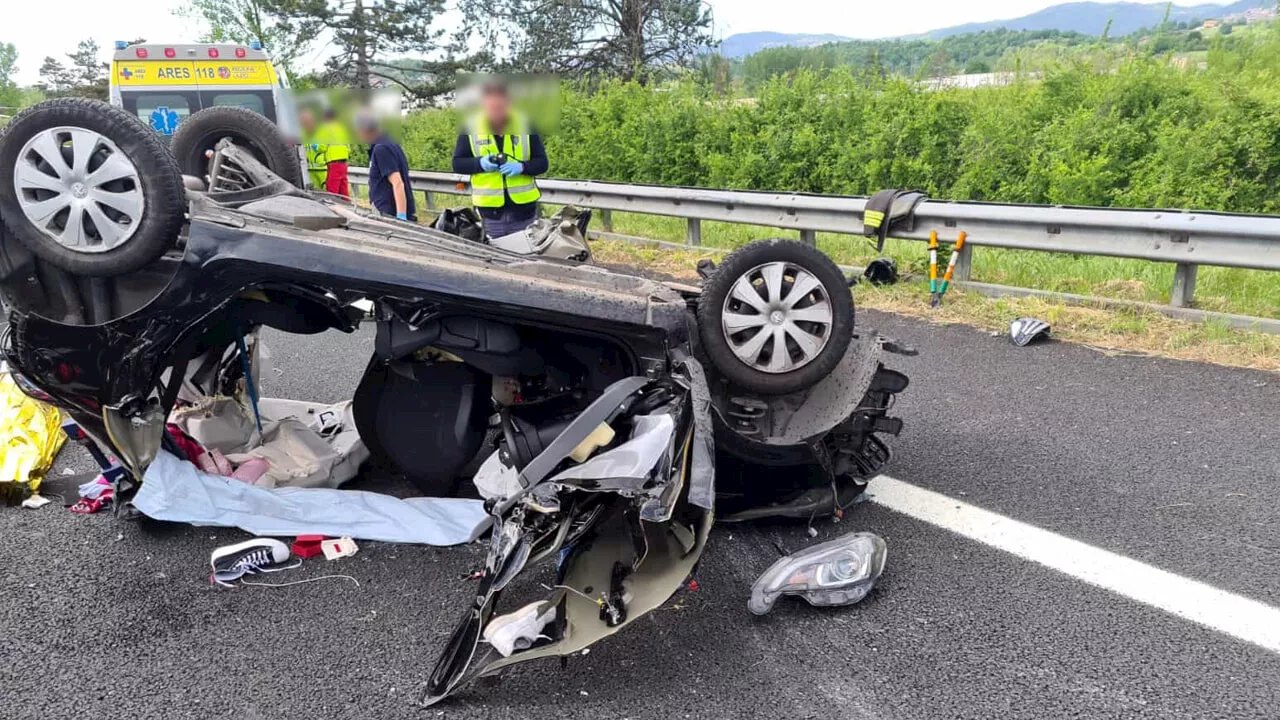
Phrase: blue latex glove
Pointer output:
(402, 216)
(512, 167)
(487, 164)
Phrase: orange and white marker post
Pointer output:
(934, 299)
(936, 290)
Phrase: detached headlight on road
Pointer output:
(839, 572)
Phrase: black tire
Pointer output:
(247, 129)
(164, 198)
(720, 284)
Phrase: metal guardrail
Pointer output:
(1187, 239)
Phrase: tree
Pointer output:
(873, 67)
(628, 39)
(10, 95)
(938, 64)
(54, 76)
(87, 70)
(8, 63)
(245, 21)
(367, 34)
(713, 70)
(976, 66)
(84, 76)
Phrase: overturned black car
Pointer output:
(615, 416)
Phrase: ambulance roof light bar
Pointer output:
(198, 51)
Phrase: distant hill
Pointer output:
(744, 44)
(1085, 18)
(1090, 18)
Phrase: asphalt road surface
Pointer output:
(1175, 465)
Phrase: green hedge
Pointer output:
(1145, 134)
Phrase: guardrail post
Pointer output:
(606, 220)
(964, 264)
(809, 237)
(429, 197)
(695, 232)
(1184, 285)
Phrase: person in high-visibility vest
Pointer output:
(316, 169)
(328, 152)
(503, 154)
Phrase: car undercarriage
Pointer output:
(606, 419)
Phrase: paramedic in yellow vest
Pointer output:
(328, 150)
(502, 154)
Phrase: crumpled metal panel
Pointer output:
(702, 468)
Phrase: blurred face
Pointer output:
(307, 120)
(367, 133)
(497, 105)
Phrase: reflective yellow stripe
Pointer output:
(872, 218)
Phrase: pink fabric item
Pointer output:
(252, 469)
(206, 464)
(215, 463)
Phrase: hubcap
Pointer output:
(777, 317)
(75, 186)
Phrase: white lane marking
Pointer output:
(1234, 615)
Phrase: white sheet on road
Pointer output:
(175, 490)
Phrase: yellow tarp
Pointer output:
(30, 435)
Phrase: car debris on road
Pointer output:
(1024, 331)
(607, 419)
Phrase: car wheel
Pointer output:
(775, 317)
(88, 187)
(198, 134)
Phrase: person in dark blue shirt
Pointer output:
(389, 189)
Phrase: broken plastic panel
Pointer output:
(839, 572)
(628, 465)
(497, 477)
(1024, 331)
(519, 630)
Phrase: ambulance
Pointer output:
(163, 84)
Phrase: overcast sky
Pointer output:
(53, 27)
